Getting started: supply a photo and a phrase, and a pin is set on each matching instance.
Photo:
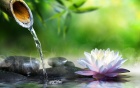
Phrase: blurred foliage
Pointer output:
(73, 26)
(60, 10)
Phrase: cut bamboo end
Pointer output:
(22, 13)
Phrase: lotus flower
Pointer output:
(101, 64)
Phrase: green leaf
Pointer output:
(64, 31)
(68, 19)
(56, 15)
(78, 3)
(5, 16)
(84, 10)
(59, 26)
(67, 23)
(60, 2)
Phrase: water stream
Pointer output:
(38, 46)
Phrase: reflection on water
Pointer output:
(103, 84)
(133, 83)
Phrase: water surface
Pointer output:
(132, 82)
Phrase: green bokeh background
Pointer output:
(115, 25)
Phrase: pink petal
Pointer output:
(86, 73)
(111, 74)
(121, 70)
(104, 70)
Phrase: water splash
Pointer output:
(38, 46)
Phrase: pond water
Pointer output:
(128, 82)
(133, 83)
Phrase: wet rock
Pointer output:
(63, 72)
(61, 68)
(57, 61)
(21, 64)
(69, 64)
(10, 77)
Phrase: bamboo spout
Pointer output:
(19, 10)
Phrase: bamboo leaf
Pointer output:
(67, 23)
(59, 26)
(84, 10)
(56, 15)
(5, 16)
(60, 2)
(78, 3)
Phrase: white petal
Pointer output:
(101, 70)
(96, 50)
(99, 63)
(107, 51)
(81, 63)
(112, 63)
(116, 66)
(88, 56)
(91, 67)
(93, 55)
(119, 65)
(117, 56)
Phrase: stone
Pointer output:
(69, 64)
(57, 61)
(62, 72)
(20, 64)
(61, 68)
(10, 77)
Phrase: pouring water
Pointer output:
(38, 46)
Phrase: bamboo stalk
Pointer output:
(19, 10)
